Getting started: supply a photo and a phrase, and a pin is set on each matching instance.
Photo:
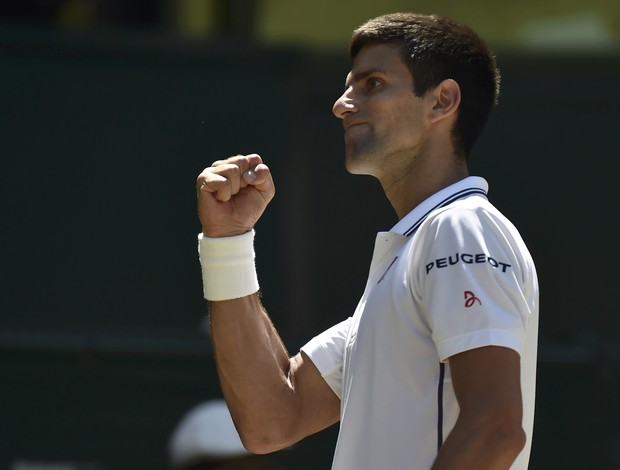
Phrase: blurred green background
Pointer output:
(110, 109)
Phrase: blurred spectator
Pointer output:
(206, 439)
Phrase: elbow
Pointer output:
(509, 438)
(505, 430)
(258, 445)
(517, 440)
(500, 434)
(510, 427)
(263, 440)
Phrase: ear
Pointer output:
(445, 100)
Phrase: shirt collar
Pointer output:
(463, 188)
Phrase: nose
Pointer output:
(344, 105)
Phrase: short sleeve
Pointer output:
(326, 351)
(472, 282)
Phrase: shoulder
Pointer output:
(473, 227)
(473, 215)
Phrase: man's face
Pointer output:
(382, 117)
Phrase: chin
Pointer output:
(358, 164)
(355, 168)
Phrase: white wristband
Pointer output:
(228, 270)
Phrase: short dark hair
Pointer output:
(436, 48)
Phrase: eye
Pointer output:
(374, 82)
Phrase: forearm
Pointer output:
(254, 369)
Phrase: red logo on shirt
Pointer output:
(386, 271)
(470, 299)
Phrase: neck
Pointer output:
(423, 178)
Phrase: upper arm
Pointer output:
(487, 384)
(315, 379)
(308, 405)
(488, 433)
(318, 405)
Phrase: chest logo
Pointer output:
(471, 299)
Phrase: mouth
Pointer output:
(351, 125)
(355, 128)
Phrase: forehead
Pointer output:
(385, 59)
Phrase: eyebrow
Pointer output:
(359, 76)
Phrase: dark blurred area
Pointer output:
(49, 13)
(110, 109)
(227, 17)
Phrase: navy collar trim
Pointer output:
(467, 187)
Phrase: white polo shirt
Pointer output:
(451, 276)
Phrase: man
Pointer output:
(436, 368)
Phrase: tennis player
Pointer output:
(436, 367)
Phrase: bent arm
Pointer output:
(488, 434)
(274, 400)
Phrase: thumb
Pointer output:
(257, 175)
(260, 178)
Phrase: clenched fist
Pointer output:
(233, 194)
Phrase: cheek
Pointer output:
(410, 118)
(407, 127)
